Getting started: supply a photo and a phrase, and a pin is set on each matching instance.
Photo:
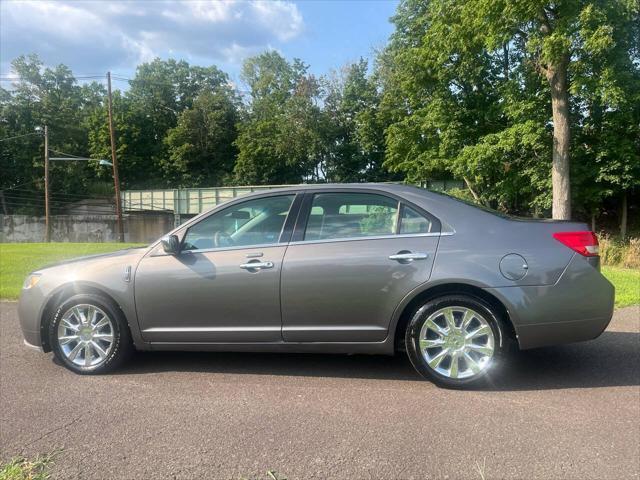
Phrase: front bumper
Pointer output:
(33, 347)
(30, 308)
(578, 307)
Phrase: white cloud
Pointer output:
(90, 35)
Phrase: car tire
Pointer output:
(89, 334)
(456, 340)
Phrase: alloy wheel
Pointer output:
(86, 335)
(457, 342)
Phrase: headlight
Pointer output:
(31, 281)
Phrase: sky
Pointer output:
(93, 36)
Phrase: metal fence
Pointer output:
(192, 201)
(185, 201)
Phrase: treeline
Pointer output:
(472, 90)
(180, 125)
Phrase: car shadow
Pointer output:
(611, 360)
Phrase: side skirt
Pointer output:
(374, 348)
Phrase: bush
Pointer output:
(619, 253)
(632, 257)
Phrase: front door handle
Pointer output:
(409, 256)
(256, 265)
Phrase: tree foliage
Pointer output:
(201, 150)
(474, 79)
(354, 129)
(280, 138)
(476, 90)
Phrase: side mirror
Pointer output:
(171, 244)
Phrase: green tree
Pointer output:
(42, 96)
(471, 85)
(606, 90)
(201, 148)
(137, 167)
(279, 140)
(453, 109)
(354, 144)
(144, 115)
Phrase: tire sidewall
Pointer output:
(420, 316)
(122, 338)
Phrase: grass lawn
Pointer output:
(26, 469)
(18, 259)
(627, 283)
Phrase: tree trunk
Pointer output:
(623, 217)
(474, 194)
(557, 77)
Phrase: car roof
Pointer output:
(396, 188)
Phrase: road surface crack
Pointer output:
(53, 430)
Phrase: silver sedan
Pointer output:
(366, 268)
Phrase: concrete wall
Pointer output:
(142, 228)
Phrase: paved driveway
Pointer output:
(564, 412)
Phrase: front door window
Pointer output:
(247, 224)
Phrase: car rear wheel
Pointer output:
(456, 340)
(89, 334)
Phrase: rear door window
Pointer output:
(351, 215)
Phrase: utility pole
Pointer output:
(114, 161)
(4, 205)
(47, 213)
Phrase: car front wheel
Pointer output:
(455, 340)
(89, 335)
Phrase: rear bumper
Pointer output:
(532, 336)
(578, 307)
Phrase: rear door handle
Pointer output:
(256, 265)
(409, 257)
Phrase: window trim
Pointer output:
(283, 238)
(372, 237)
(307, 203)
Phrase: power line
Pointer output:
(122, 78)
(20, 136)
(21, 185)
(73, 77)
(63, 194)
(72, 156)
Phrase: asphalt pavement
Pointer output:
(564, 412)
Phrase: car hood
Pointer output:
(124, 255)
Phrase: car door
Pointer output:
(224, 285)
(353, 258)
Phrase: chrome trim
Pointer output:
(127, 273)
(373, 237)
(331, 328)
(256, 265)
(33, 347)
(225, 249)
(409, 257)
(309, 242)
(210, 329)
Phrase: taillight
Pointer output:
(585, 243)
